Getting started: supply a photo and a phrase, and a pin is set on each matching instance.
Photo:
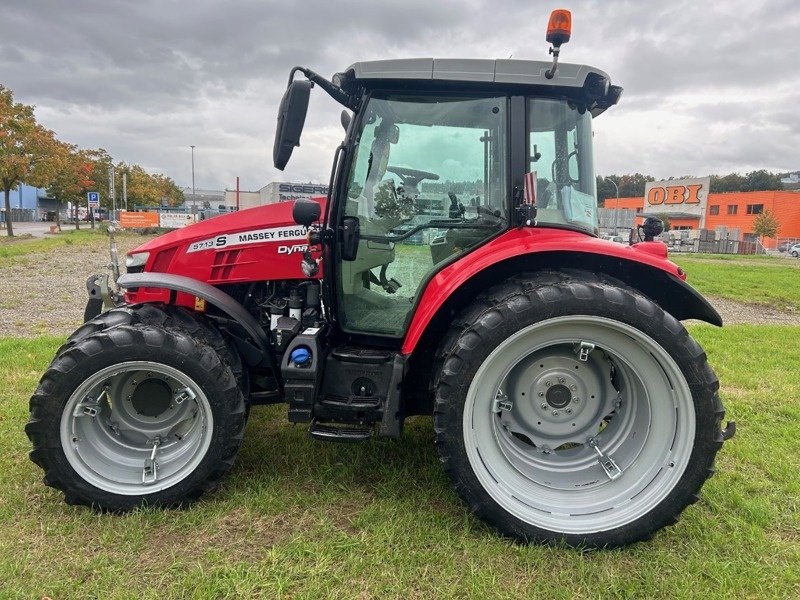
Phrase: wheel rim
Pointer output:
(136, 428)
(540, 454)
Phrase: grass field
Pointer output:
(14, 250)
(302, 519)
(770, 281)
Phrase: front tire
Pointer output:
(136, 414)
(572, 409)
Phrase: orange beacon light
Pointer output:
(559, 27)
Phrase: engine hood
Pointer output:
(255, 244)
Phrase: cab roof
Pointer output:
(520, 72)
(500, 74)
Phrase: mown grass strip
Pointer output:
(775, 283)
(302, 519)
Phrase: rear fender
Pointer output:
(259, 348)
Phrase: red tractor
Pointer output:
(454, 270)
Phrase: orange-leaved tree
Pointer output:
(28, 151)
(72, 177)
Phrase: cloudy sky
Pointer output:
(710, 87)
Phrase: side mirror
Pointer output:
(306, 212)
(291, 118)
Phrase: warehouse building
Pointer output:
(276, 191)
(690, 206)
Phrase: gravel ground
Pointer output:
(45, 292)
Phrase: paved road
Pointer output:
(36, 228)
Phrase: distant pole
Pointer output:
(616, 206)
(112, 192)
(194, 200)
(237, 193)
(125, 189)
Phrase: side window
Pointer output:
(428, 183)
(560, 152)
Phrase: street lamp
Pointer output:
(194, 200)
(616, 206)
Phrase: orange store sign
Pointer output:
(685, 198)
(675, 194)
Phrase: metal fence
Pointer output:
(717, 247)
(20, 215)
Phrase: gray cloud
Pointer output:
(707, 87)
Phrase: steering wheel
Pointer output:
(410, 178)
(572, 154)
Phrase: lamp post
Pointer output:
(616, 206)
(194, 200)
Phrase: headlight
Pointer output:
(136, 260)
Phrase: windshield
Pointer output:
(428, 182)
(560, 153)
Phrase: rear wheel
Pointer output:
(573, 409)
(136, 415)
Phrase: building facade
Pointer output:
(688, 205)
(277, 191)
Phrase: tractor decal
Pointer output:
(271, 234)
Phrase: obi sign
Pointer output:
(679, 198)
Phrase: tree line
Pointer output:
(32, 154)
(631, 186)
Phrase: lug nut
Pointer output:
(573, 387)
(555, 413)
(547, 383)
(576, 400)
(541, 394)
(569, 411)
(561, 380)
(543, 405)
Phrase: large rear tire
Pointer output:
(570, 408)
(136, 414)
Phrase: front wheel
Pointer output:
(573, 409)
(136, 414)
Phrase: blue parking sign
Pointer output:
(94, 198)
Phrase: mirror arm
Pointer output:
(294, 70)
(332, 90)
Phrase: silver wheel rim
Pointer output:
(585, 466)
(136, 428)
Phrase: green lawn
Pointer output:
(774, 281)
(298, 518)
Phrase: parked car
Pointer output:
(795, 250)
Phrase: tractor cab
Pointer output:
(441, 156)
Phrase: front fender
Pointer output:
(205, 291)
(531, 249)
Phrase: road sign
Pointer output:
(93, 198)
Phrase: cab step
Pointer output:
(339, 433)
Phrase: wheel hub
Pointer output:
(558, 396)
(558, 399)
(151, 397)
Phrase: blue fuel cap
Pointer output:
(301, 356)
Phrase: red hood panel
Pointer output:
(256, 244)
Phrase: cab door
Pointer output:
(428, 181)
